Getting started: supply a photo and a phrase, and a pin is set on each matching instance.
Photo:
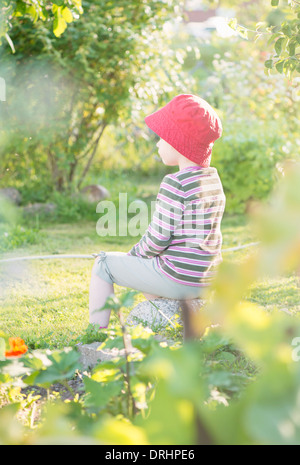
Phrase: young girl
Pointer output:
(178, 255)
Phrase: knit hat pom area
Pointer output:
(190, 125)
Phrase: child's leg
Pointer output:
(100, 290)
(150, 296)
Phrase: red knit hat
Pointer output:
(190, 125)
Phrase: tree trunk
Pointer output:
(56, 174)
(92, 156)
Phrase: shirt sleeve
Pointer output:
(167, 216)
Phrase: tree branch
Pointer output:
(90, 160)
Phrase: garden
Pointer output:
(77, 80)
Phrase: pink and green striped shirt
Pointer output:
(185, 235)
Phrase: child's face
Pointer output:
(168, 154)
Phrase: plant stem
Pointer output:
(132, 409)
(203, 435)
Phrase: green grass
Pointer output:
(46, 301)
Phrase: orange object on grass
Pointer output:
(17, 347)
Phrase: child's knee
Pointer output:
(95, 265)
(101, 270)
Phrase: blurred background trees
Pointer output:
(76, 103)
(64, 93)
(59, 12)
(74, 113)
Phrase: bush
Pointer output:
(12, 237)
(246, 163)
(260, 120)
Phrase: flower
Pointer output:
(17, 347)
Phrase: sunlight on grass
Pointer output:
(48, 306)
(282, 293)
(46, 301)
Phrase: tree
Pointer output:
(59, 12)
(68, 90)
(284, 35)
(281, 29)
(286, 39)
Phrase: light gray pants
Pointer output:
(142, 274)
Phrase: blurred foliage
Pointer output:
(59, 12)
(76, 104)
(286, 39)
(260, 120)
(17, 236)
(184, 393)
(63, 93)
(12, 233)
(280, 28)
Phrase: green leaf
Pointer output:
(273, 37)
(279, 66)
(127, 299)
(20, 8)
(112, 343)
(67, 15)
(292, 47)
(145, 345)
(31, 11)
(275, 3)
(232, 23)
(61, 366)
(222, 379)
(99, 394)
(278, 45)
(78, 5)
(269, 64)
(242, 31)
(213, 341)
(171, 418)
(287, 30)
(59, 26)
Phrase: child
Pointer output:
(178, 255)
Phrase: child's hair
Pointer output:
(190, 125)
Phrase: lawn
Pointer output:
(46, 301)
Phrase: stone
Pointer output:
(155, 314)
(94, 193)
(11, 194)
(34, 208)
(159, 313)
(90, 356)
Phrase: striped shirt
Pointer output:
(184, 235)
